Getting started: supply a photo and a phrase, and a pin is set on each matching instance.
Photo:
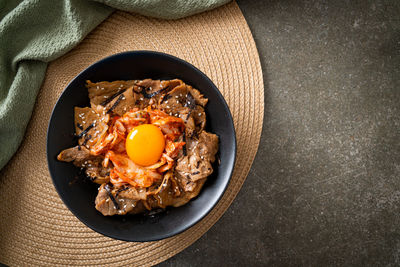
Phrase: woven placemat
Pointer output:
(36, 228)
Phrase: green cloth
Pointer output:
(35, 32)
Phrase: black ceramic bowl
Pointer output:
(79, 194)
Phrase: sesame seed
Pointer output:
(141, 98)
(107, 200)
(199, 114)
(177, 96)
(177, 101)
(167, 106)
(97, 87)
(166, 102)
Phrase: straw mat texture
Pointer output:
(35, 226)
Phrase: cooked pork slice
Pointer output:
(151, 85)
(185, 182)
(200, 100)
(81, 157)
(172, 83)
(105, 202)
(199, 118)
(97, 173)
(167, 196)
(123, 103)
(208, 145)
(132, 193)
(201, 152)
(89, 126)
(186, 103)
(102, 93)
(175, 100)
(151, 90)
(186, 196)
(78, 155)
(196, 190)
(111, 201)
(190, 125)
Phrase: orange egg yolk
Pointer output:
(145, 144)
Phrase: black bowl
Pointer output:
(79, 194)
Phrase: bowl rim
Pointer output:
(230, 167)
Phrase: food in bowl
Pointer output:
(144, 142)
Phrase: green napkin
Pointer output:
(35, 32)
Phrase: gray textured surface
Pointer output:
(325, 186)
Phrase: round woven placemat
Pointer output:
(35, 226)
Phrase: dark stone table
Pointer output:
(324, 188)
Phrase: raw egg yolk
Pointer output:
(145, 144)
